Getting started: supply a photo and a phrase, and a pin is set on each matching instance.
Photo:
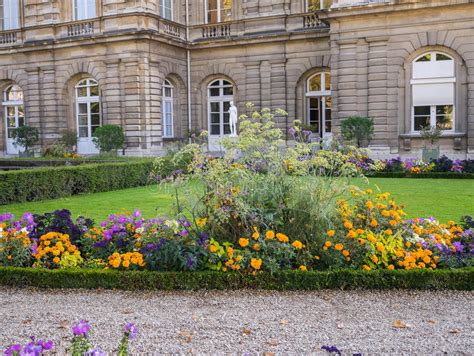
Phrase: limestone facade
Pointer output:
(265, 49)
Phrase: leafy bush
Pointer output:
(25, 136)
(52, 183)
(69, 140)
(109, 138)
(358, 130)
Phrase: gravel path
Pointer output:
(248, 321)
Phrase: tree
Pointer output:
(109, 138)
(358, 129)
(25, 136)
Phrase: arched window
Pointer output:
(9, 14)
(433, 90)
(220, 95)
(14, 110)
(88, 114)
(166, 9)
(316, 5)
(318, 96)
(168, 112)
(218, 10)
(84, 9)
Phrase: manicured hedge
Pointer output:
(52, 183)
(460, 279)
(435, 175)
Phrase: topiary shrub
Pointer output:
(109, 138)
(358, 130)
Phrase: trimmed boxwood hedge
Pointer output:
(436, 175)
(51, 183)
(456, 279)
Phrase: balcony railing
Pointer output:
(80, 29)
(311, 21)
(172, 29)
(8, 38)
(216, 30)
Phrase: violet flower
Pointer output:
(81, 329)
(131, 331)
(331, 349)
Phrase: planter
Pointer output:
(430, 154)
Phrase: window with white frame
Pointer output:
(13, 108)
(166, 9)
(218, 11)
(316, 5)
(319, 103)
(9, 14)
(88, 113)
(84, 9)
(168, 115)
(220, 95)
(433, 92)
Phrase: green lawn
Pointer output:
(444, 199)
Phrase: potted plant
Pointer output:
(26, 137)
(431, 135)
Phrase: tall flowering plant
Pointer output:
(15, 245)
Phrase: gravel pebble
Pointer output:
(436, 322)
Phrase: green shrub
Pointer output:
(52, 183)
(25, 136)
(69, 140)
(459, 279)
(358, 130)
(109, 138)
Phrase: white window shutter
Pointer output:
(433, 94)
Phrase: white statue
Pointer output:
(233, 119)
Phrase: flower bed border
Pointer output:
(455, 279)
(428, 175)
(57, 182)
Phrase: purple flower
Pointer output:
(131, 331)
(108, 235)
(458, 246)
(13, 348)
(292, 131)
(137, 213)
(95, 352)
(81, 329)
(183, 232)
(331, 349)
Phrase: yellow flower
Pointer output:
(256, 247)
(270, 235)
(255, 234)
(303, 268)
(126, 263)
(391, 267)
(282, 237)
(408, 244)
(388, 232)
(56, 260)
(373, 223)
(393, 222)
(367, 268)
(213, 248)
(345, 253)
(256, 263)
(243, 242)
(331, 233)
(374, 259)
(297, 244)
(385, 213)
(201, 222)
(380, 247)
(327, 244)
(317, 258)
(339, 247)
(369, 205)
(351, 234)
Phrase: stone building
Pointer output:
(163, 68)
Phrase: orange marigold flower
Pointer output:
(331, 233)
(270, 235)
(348, 225)
(297, 244)
(351, 234)
(327, 244)
(256, 247)
(369, 205)
(367, 268)
(339, 247)
(256, 263)
(388, 232)
(345, 253)
(213, 248)
(282, 237)
(380, 247)
(243, 242)
(391, 267)
(374, 258)
(303, 268)
(255, 234)
(393, 222)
